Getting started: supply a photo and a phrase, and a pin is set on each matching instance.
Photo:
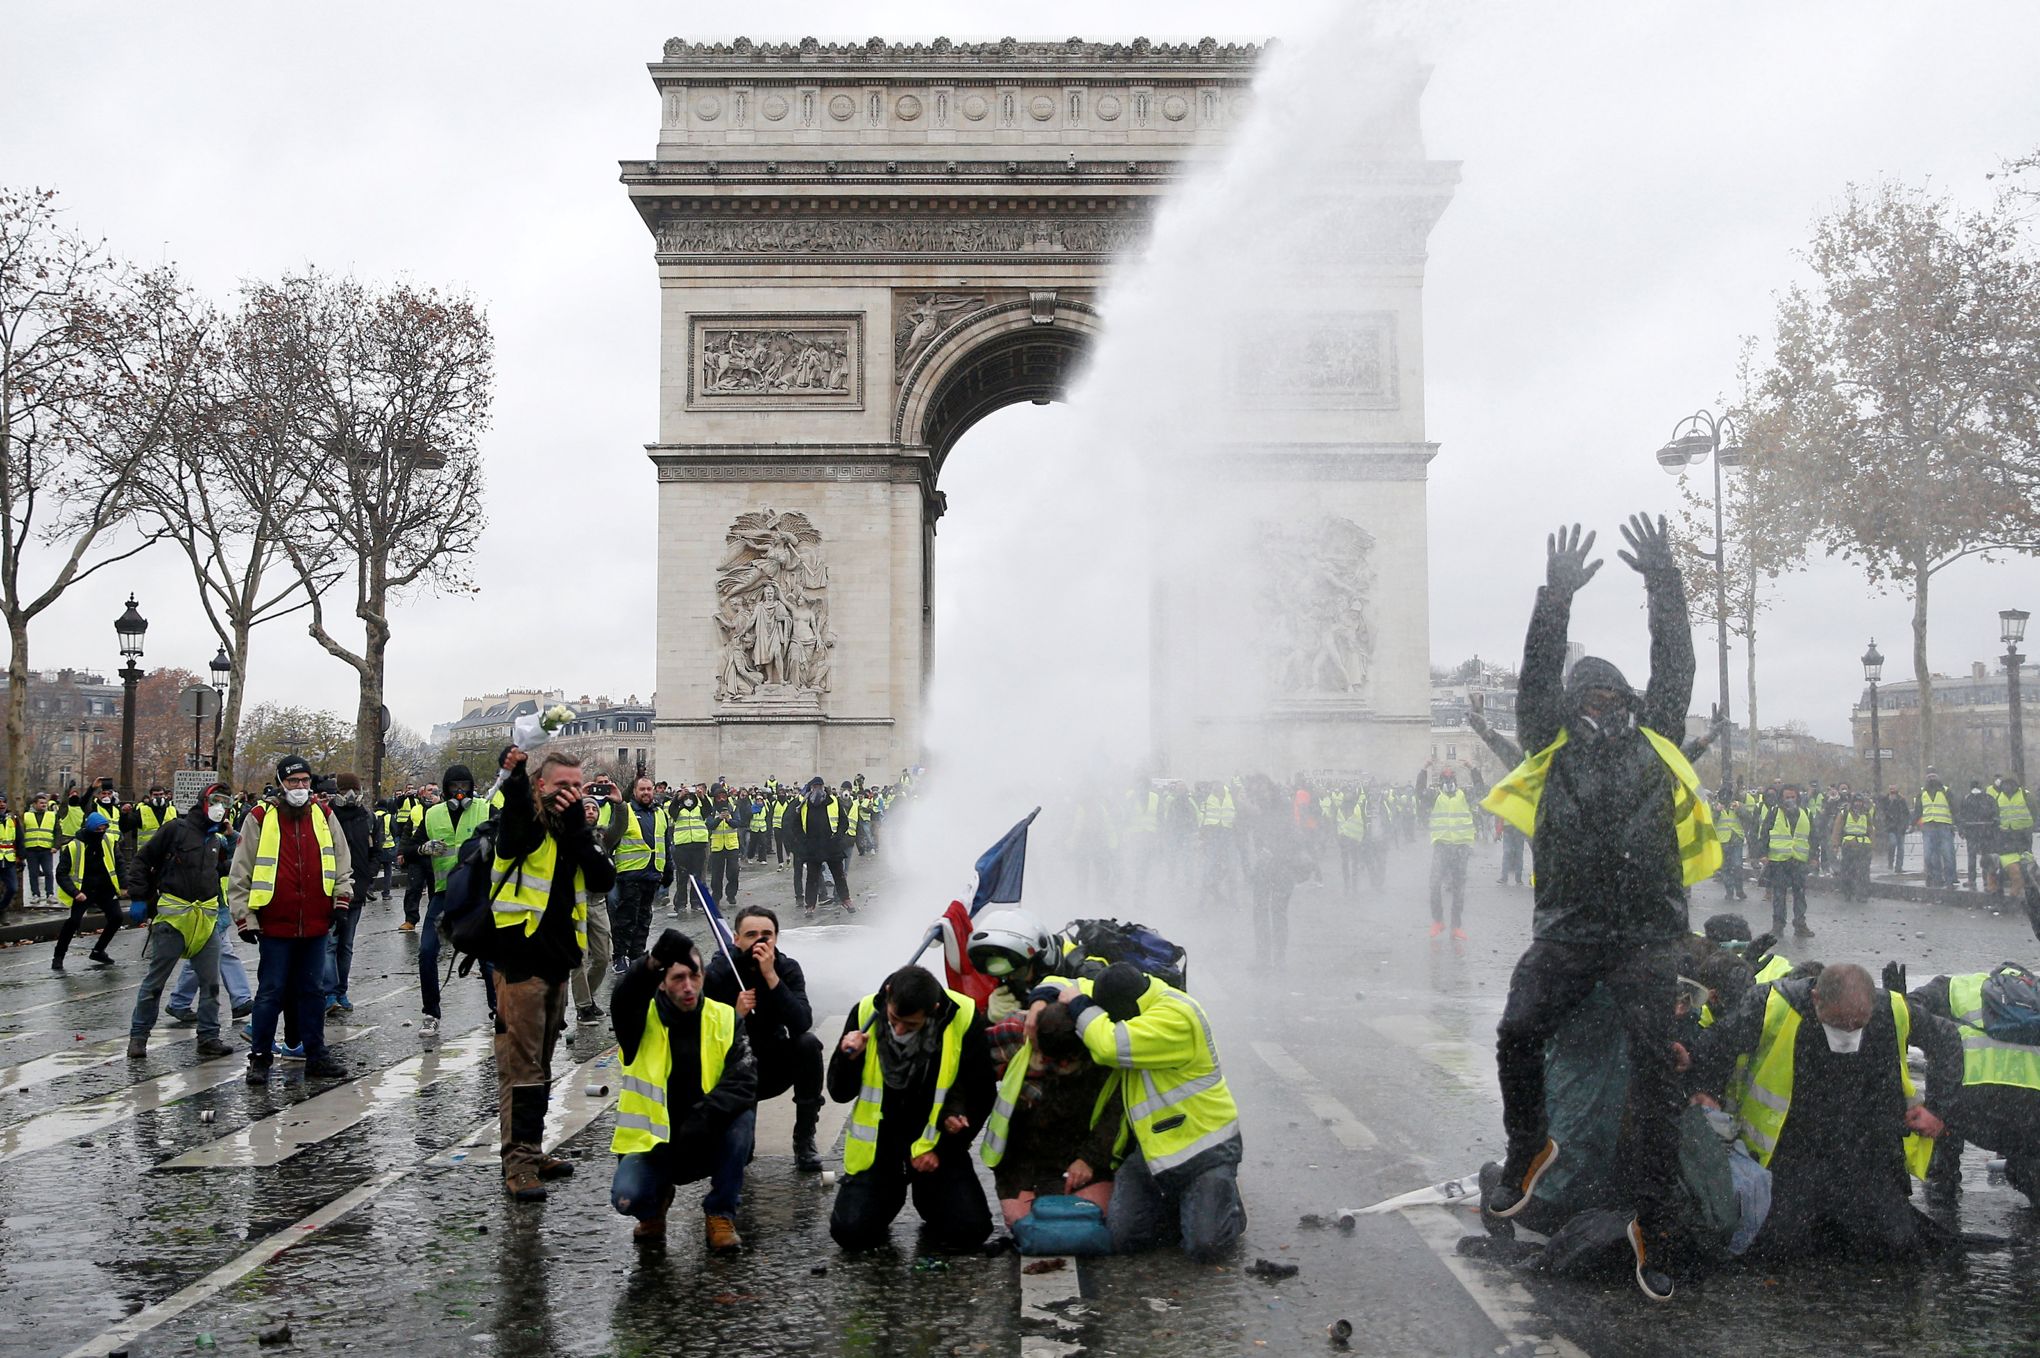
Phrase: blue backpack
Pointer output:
(1062, 1225)
(2011, 1005)
(1147, 950)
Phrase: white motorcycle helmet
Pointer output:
(1007, 942)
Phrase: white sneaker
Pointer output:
(429, 1028)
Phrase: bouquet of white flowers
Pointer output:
(531, 732)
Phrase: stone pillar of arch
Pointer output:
(862, 250)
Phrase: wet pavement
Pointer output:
(162, 1207)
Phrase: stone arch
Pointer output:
(1021, 350)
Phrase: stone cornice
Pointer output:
(978, 58)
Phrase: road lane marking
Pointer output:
(1351, 1132)
(1500, 1297)
(268, 1249)
(567, 1112)
(101, 993)
(282, 1135)
(69, 1061)
(1471, 1065)
(1045, 1302)
(59, 1125)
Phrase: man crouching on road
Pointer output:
(687, 1107)
(548, 866)
(914, 1058)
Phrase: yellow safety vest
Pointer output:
(1515, 800)
(76, 850)
(999, 1126)
(642, 1119)
(39, 833)
(1353, 820)
(860, 1146)
(383, 822)
(1985, 1059)
(722, 839)
(71, 821)
(1934, 808)
(2013, 813)
(632, 853)
(761, 818)
(1728, 828)
(440, 825)
(688, 826)
(1217, 811)
(7, 839)
(779, 815)
(1146, 815)
(1177, 1102)
(262, 881)
(856, 816)
(521, 890)
(1855, 829)
(151, 822)
(193, 920)
(1451, 819)
(1789, 836)
(1768, 1098)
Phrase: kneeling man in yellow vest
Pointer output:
(1829, 1106)
(1179, 1184)
(1999, 1104)
(686, 1110)
(913, 1058)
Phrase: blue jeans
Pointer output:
(1940, 847)
(1894, 846)
(642, 1179)
(233, 975)
(340, 952)
(1204, 1216)
(428, 959)
(290, 970)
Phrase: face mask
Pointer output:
(217, 811)
(350, 799)
(1843, 1040)
(687, 802)
(297, 796)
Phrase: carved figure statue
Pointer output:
(925, 318)
(772, 609)
(1318, 592)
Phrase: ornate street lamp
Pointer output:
(1873, 670)
(1693, 440)
(222, 676)
(2013, 621)
(131, 627)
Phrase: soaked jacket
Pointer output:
(1607, 842)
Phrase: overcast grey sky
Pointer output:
(1636, 178)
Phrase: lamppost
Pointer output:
(2014, 620)
(222, 675)
(131, 626)
(1873, 670)
(1693, 440)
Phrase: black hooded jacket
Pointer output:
(1607, 844)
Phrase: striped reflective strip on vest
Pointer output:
(1121, 1038)
(1186, 1153)
(871, 1096)
(2013, 812)
(1158, 1099)
(170, 907)
(1934, 809)
(1000, 1124)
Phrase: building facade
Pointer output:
(72, 731)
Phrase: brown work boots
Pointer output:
(652, 1230)
(723, 1237)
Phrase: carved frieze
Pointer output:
(772, 612)
(680, 236)
(741, 362)
(1332, 360)
(1318, 606)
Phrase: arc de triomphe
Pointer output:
(864, 249)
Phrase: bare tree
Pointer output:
(396, 392)
(228, 488)
(92, 359)
(1907, 406)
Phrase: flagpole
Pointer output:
(694, 883)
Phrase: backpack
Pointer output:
(467, 923)
(1111, 941)
(2011, 1005)
(1060, 1224)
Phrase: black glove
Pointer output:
(1894, 977)
(671, 948)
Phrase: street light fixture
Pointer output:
(1693, 439)
(222, 676)
(1873, 670)
(2013, 631)
(131, 627)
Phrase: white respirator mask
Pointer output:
(297, 796)
(1843, 1041)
